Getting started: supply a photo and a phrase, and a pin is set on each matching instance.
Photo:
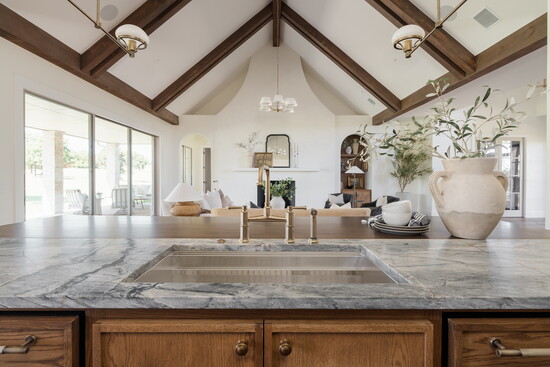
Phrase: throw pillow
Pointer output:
(226, 202)
(334, 206)
(336, 199)
(253, 206)
(383, 200)
(214, 199)
(346, 205)
(204, 203)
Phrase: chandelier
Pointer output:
(129, 38)
(409, 38)
(278, 103)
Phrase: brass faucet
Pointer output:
(267, 217)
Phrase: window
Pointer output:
(59, 154)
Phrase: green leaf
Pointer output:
(487, 94)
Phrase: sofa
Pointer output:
(340, 212)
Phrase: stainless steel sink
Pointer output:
(264, 267)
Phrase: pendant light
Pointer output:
(129, 38)
(410, 37)
(278, 103)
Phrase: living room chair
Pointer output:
(77, 200)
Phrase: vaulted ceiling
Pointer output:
(200, 46)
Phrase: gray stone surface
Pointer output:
(442, 274)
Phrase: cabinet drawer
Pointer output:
(56, 340)
(177, 343)
(470, 341)
(356, 343)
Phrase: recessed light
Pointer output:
(109, 12)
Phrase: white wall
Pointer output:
(21, 70)
(313, 127)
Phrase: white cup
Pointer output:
(404, 206)
(396, 219)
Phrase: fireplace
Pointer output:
(261, 195)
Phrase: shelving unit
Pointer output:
(362, 194)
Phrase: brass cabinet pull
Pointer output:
(241, 348)
(285, 348)
(501, 350)
(30, 340)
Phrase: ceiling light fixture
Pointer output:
(129, 37)
(278, 103)
(410, 37)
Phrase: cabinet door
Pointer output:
(181, 343)
(355, 343)
(56, 341)
(470, 341)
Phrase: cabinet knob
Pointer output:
(285, 348)
(241, 348)
(30, 340)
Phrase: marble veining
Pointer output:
(441, 274)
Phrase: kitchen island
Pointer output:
(80, 297)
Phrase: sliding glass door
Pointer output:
(111, 168)
(57, 159)
(142, 173)
(59, 156)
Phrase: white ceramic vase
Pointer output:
(470, 196)
(355, 146)
(277, 202)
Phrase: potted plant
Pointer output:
(469, 194)
(249, 147)
(408, 154)
(280, 190)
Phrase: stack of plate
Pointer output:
(379, 224)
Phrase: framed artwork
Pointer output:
(263, 159)
(279, 145)
(358, 180)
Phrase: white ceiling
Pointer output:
(63, 21)
(353, 25)
(514, 14)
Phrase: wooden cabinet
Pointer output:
(363, 196)
(181, 343)
(348, 343)
(470, 341)
(56, 343)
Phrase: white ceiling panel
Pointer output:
(365, 35)
(355, 95)
(63, 21)
(513, 15)
(221, 74)
(182, 41)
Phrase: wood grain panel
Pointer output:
(214, 57)
(56, 346)
(351, 344)
(469, 341)
(175, 343)
(23, 33)
(340, 58)
(149, 16)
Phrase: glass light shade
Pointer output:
(183, 192)
(291, 102)
(410, 32)
(265, 108)
(133, 37)
(278, 99)
(265, 101)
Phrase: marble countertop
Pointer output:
(441, 274)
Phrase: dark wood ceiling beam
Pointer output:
(340, 58)
(277, 10)
(441, 46)
(527, 39)
(217, 55)
(23, 33)
(149, 16)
